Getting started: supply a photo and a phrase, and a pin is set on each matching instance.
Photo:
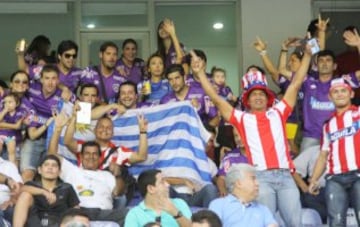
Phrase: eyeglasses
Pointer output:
(74, 56)
(21, 81)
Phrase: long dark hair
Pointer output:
(160, 44)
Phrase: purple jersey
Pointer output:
(317, 108)
(158, 91)
(12, 119)
(134, 73)
(284, 83)
(192, 82)
(232, 157)
(206, 108)
(45, 106)
(70, 80)
(225, 92)
(170, 57)
(112, 83)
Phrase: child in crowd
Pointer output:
(11, 117)
(218, 76)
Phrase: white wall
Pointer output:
(273, 21)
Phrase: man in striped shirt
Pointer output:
(340, 155)
(262, 130)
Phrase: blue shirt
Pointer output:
(233, 212)
(140, 215)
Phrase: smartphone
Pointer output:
(314, 46)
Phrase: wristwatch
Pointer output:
(178, 215)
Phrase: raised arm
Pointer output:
(59, 122)
(141, 155)
(291, 93)
(352, 38)
(283, 59)
(169, 27)
(261, 47)
(322, 26)
(69, 140)
(22, 65)
(223, 106)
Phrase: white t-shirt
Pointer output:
(93, 187)
(8, 169)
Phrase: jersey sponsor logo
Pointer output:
(320, 105)
(348, 131)
(86, 192)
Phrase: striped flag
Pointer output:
(176, 140)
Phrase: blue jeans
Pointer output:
(201, 198)
(31, 153)
(340, 190)
(278, 191)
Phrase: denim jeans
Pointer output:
(31, 153)
(201, 198)
(278, 191)
(340, 190)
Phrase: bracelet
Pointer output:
(263, 52)
(283, 50)
(143, 132)
(6, 181)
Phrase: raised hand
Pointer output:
(168, 26)
(322, 24)
(291, 42)
(66, 94)
(60, 120)
(197, 64)
(259, 44)
(143, 123)
(352, 38)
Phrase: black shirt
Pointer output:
(65, 198)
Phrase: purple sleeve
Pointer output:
(34, 72)
(351, 79)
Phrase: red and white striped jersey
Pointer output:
(341, 138)
(264, 137)
(121, 156)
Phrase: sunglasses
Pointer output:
(74, 56)
(21, 81)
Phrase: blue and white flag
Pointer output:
(176, 140)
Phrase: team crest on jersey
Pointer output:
(115, 87)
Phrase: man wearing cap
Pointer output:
(239, 208)
(340, 156)
(262, 131)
